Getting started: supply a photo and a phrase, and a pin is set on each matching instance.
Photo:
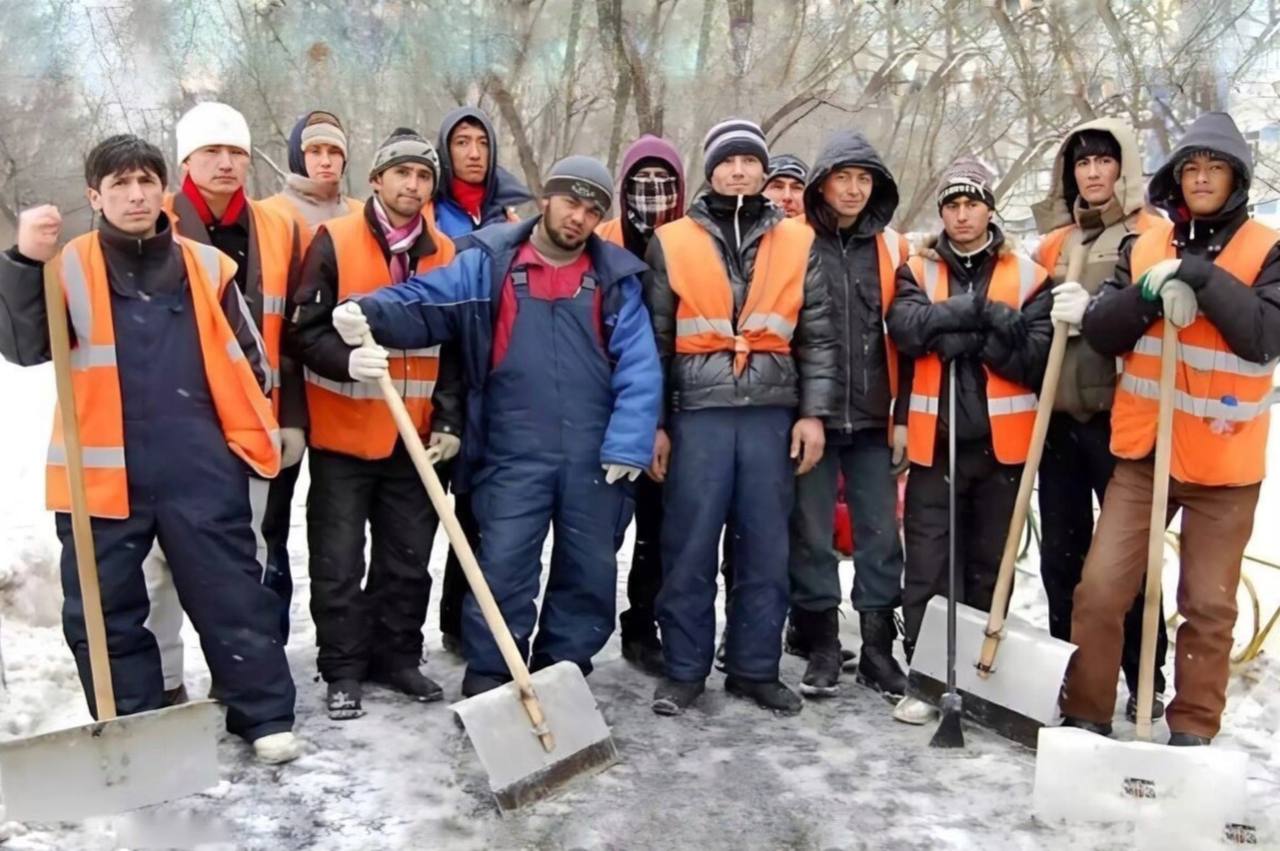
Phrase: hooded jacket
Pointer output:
(646, 148)
(1247, 317)
(850, 270)
(1087, 384)
(502, 189)
(459, 304)
(806, 378)
(920, 326)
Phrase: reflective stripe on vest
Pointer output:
(276, 237)
(891, 251)
(1222, 402)
(1010, 407)
(704, 312)
(243, 412)
(350, 416)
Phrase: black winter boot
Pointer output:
(344, 700)
(645, 652)
(1091, 726)
(673, 697)
(773, 696)
(794, 644)
(474, 683)
(877, 668)
(820, 631)
(1188, 740)
(412, 682)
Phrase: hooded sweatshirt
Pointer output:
(645, 151)
(1247, 317)
(501, 188)
(851, 272)
(1087, 384)
(304, 200)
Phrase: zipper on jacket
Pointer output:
(848, 338)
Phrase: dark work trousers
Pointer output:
(872, 495)
(728, 466)
(548, 405)
(189, 492)
(985, 493)
(1077, 464)
(377, 627)
(453, 589)
(640, 621)
(275, 531)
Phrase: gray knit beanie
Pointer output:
(967, 176)
(405, 146)
(584, 178)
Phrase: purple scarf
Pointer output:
(399, 240)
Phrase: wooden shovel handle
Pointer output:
(81, 529)
(1155, 534)
(462, 548)
(1022, 505)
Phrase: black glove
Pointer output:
(958, 344)
(962, 312)
(1007, 323)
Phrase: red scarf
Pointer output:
(470, 196)
(229, 216)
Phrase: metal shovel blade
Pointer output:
(520, 770)
(110, 767)
(1021, 694)
(1081, 776)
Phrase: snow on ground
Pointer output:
(842, 775)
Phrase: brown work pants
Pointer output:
(1216, 524)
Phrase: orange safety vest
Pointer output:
(281, 204)
(892, 249)
(244, 412)
(1011, 407)
(1050, 248)
(273, 235)
(704, 316)
(611, 231)
(1222, 403)
(350, 416)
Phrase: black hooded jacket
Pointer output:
(850, 266)
(806, 378)
(1247, 317)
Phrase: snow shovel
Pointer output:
(950, 733)
(540, 731)
(113, 764)
(1133, 779)
(1025, 699)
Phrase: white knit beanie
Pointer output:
(211, 123)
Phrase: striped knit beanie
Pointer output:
(730, 137)
(969, 177)
(787, 165)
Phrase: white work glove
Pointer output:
(1180, 304)
(1157, 276)
(445, 444)
(293, 441)
(367, 363)
(615, 472)
(350, 322)
(1069, 303)
(900, 460)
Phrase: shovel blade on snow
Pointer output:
(1081, 776)
(520, 770)
(109, 767)
(1018, 698)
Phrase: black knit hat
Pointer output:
(967, 176)
(787, 165)
(734, 136)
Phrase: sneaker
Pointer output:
(673, 697)
(911, 710)
(794, 645)
(344, 700)
(1091, 726)
(645, 654)
(1188, 740)
(277, 748)
(412, 682)
(773, 696)
(1131, 708)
